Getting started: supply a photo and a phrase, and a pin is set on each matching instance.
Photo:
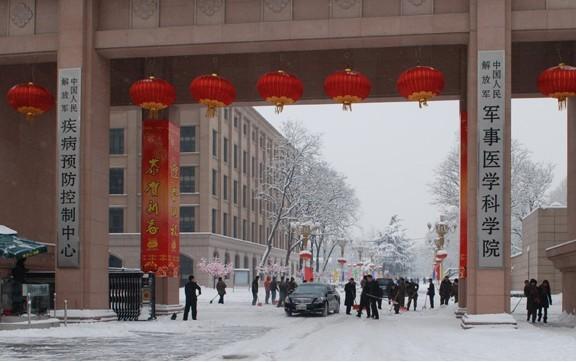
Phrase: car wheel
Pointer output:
(325, 310)
(289, 313)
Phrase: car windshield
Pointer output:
(310, 289)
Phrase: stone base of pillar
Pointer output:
(501, 321)
(460, 312)
(168, 309)
(87, 315)
(167, 291)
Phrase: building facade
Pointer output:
(541, 229)
(222, 163)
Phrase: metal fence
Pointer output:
(125, 292)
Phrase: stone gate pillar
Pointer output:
(488, 106)
(82, 261)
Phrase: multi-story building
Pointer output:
(222, 163)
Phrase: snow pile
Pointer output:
(566, 320)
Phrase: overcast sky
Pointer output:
(388, 151)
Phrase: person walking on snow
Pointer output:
(431, 293)
(412, 288)
(533, 299)
(455, 290)
(191, 297)
(350, 290)
(445, 291)
(283, 289)
(373, 295)
(255, 290)
(545, 300)
(364, 302)
(273, 289)
(267, 283)
(221, 289)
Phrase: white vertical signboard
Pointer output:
(68, 143)
(491, 116)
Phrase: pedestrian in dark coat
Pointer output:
(533, 300)
(364, 303)
(255, 290)
(401, 292)
(350, 291)
(431, 293)
(292, 285)
(273, 289)
(412, 288)
(191, 298)
(455, 290)
(221, 289)
(283, 289)
(545, 300)
(373, 295)
(445, 291)
(393, 296)
(526, 289)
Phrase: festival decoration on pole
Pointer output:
(30, 99)
(347, 87)
(305, 255)
(213, 91)
(342, 261)
(153, 94)
(420, 83)
(558, 82)
(441, 254)
(280, 88)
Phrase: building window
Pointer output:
(225, 156)
(187, 222)
(244, 230)
(244, 195)
(235, 227)
(244, 161)
(253, 166)
(115, 220)
(236, 119)
(214, 181)
(261, 231)
(236, 261)
(226, 113)
(187, 179)
(214, 216)
(235, 192)
(225, 188)
(245, 128)
(254, 135)
(253, 231)
(116, 186)
(188, 139)
(117, 141)
(235, 156)
(253, 200)
(225, 224)
(214, 143)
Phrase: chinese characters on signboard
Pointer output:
(160, 218)
(491, 117)
(68, 143)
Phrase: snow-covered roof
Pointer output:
(5, 230)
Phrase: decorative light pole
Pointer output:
(441, 228)
(304, 230)
(341, 260)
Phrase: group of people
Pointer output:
(448, 289)
(538, 300)
(271, 286)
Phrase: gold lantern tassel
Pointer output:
(210, 111)
(153, 113)
(279, 108)
(422, 102)
(347, 106)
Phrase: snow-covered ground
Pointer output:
(238, 330)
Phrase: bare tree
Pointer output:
(289, 162)
(530, 182)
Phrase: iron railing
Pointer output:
(125, 292)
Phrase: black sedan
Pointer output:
(311, 298)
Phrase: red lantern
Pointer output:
(441, 254)
(213, 91)
(305, 255)
(280, 88)
(152, 94)
(30, 99)
(558, 82)
(341, 261)
(420, 84)
(347, 87)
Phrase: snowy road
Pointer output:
(238, 330)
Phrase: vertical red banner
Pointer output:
(463, 193)
(308, 274)
(160, 211)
